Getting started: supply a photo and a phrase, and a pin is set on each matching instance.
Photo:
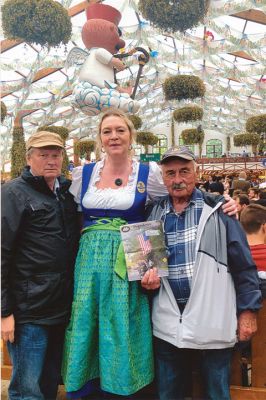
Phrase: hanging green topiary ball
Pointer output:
(181, 87)
(83, 148)
(192, 136)
(175, 15)
(188, 113)
(256, 124)
(245, 139)
(45, 22)
(146, 138)
(136, 121)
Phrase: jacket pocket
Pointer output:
(47, 291)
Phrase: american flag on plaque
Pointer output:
(145, 243)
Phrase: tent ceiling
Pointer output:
(37, 87)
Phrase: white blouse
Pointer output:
(121, 198)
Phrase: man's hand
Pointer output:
(151, 280)
(8, 328)
(247, 325)
(230, 206)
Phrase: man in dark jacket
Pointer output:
(39, 241)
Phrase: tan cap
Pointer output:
(43, 139)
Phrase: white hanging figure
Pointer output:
(96, 90)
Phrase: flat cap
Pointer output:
(43, 139)
(178, 152)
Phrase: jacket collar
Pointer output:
(39, 183)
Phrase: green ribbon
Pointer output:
(109, 224)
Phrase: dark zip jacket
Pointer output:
(39, 243)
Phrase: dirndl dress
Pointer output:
(109, 336)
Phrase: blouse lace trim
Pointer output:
(97, 177)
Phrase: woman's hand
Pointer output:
(230, 206)
(151, 280)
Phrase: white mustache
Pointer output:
(179, 186)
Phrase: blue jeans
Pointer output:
(36, 356)
(173, 367)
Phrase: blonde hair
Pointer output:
(114, 112)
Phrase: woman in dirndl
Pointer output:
(108, 345)
(109, 341)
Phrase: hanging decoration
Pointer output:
(245, 139)
(63, 133)
(44, 22)
(18, 152)
(97, 89)
(193, 136)
(256, 124)
(181, 87)
(3, 111)
(136, 121)
(176, 15)
(84, 147)
(146, 139)
(188, 113)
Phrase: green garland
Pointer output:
(245, 139)
(256, 124)
(174, 15)
(83, 148)
(3, 111)
(136, 121)
(192, 136)
(182, 87)
(63, 133)
(45, 22)
(18, 152)
(146, 139)
(188, 113)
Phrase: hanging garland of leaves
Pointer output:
(45, 22)
(84, 148)
(63, 133)
(192, 136)
(146, 139)
(245, 139)
(3, 111)
(175, 15)
(188, 113)
(181, 87)
(18, 152)
(136, 121)
(256, 124)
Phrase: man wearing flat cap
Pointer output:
(39, 241)
(210, 298)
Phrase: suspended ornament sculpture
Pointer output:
(175, 15)
(97, 89)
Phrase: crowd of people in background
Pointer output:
(234, 185)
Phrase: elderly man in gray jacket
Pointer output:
(210, 298)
